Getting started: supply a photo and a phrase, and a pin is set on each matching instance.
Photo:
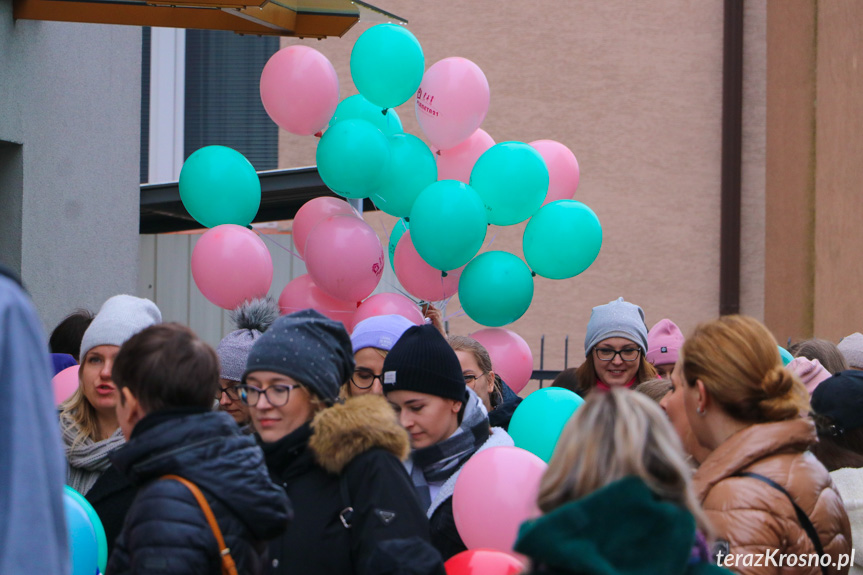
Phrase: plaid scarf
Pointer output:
(438, 462)
(87, 459)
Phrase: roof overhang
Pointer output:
(300, 18)
(283, 192)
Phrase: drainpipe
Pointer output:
(732, 136)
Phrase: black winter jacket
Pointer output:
(111, 497)
(352, 459)
(165, 530)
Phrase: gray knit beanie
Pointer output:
(617, 318)
(121, 317)
(852, 348)
(308, 347)
(252, 319)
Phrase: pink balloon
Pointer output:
(494, 494)
(231, 264)
(420, 279)
(302, 293)
(344, 257)
(511, 357)
(312, 213)
(451, 102)
(562, 167)
(387, 304)
(456, 163)
(300, 90)
(65, 383)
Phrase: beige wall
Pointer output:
(634, 89)
(815, 141)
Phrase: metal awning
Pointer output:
(300, 18)
(283, 192)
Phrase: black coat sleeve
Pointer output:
(444, 534)
(165, 532)
(386, 505)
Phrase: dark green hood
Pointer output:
(621, 529)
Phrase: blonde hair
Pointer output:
(655, 388)
(614, 435)
(737, 360)
(81, 413)
(586, 373)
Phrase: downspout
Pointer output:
(732, 152)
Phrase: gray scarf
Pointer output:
(87, 459)
(439, 461)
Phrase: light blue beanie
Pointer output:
(617, 318)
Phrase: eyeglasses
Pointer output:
(277, 395)
(469, 378)
(607, 354)
(230, 391)
(365, 378)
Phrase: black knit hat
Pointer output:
(423, 361)
(308, 347)
(841, 399)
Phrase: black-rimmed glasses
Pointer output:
(231, 391)
(277, 395)
(469, 378)
(607, 354)
(365, 378)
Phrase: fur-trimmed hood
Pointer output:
(344, 431)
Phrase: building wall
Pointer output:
(70, 104)
(634, 89)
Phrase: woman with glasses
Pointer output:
(372, 339)
(614, 347)
(252, 319)
(499, 400)
(340, 465)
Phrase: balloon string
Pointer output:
(494, 237)
(459, 313)
(290, 251)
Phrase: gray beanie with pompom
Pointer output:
(252, 319)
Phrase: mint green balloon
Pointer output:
(398, 231)
(387, 65)
(539, 420)
(562, 239)
(98, 528)
(352, 158)
(448, 224)
(495, 289)
(412, 169)
(785, 355)
(358, 108)
(512, 180)
(219, 186)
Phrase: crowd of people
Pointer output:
(298, 447)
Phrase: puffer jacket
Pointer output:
(754, 517)
(165, 530)
(349, 456)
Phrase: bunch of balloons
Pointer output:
(88, 544)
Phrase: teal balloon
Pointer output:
(495, 289)
(83, 542)
(96, 522)
(562, 239)
(539, 420)
(398, 231)
(387, 65)
(219, 186)
(512, 180)
(412, 169)
(358, 108)
(352, 158)
(785, 355)
(448, 224)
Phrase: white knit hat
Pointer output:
(121, 317)
(852, 348)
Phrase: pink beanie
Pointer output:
(810, 372)
(664, 341)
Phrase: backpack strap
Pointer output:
(804, 520)
(228, 565)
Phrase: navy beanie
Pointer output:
(308, 347)
(423, 361)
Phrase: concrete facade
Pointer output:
(635, 91)
(70, 101)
